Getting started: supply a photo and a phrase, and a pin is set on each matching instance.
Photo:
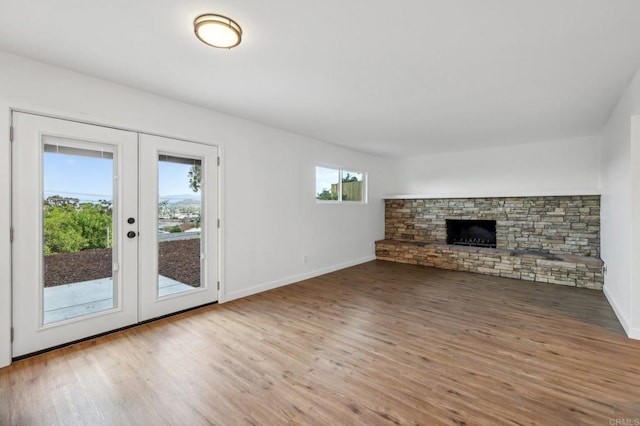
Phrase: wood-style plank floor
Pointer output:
(376, 344)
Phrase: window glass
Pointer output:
(351, 186)
(179, 224)
(327, 184)
(78, 223)
(339, 185)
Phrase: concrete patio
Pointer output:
(87, 297)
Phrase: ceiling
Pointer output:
(389, 78)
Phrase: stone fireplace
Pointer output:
(553, 239)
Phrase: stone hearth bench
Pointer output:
(576, 271)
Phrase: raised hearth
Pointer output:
(575, 271)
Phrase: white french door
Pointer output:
(110, 228)
(179, 267)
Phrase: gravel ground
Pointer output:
(179, 260)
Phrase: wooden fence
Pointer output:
(351, 191)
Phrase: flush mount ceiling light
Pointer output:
(217, 31)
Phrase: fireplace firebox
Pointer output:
(476, 233)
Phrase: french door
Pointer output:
(178, 228)
(110, 228)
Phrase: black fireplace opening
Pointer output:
(476, 233)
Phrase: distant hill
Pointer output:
(181, 198)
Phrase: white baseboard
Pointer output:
(632, 332)
(286, 281)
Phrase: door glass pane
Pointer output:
(78, 195)
(179, 224)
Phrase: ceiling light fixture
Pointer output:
(217, 31)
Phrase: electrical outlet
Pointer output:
(304, 258)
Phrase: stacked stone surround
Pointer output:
(544, 239)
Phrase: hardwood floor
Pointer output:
(380, 343)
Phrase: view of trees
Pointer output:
(332, 195)
(71, 226)
(327, 195)
(349, 178)
(195, 177)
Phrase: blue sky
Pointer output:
(173, 180)
(325, 177)
(91, 179)
(86, 178)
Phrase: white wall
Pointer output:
(563, 167)
(634, 326)
(270, 217)
(621, 210)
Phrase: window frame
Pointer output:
(341, 171)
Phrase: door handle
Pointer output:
(131, 234)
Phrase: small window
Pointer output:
(339, 185)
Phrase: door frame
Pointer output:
(6, 261)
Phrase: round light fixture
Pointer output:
(218, 31)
